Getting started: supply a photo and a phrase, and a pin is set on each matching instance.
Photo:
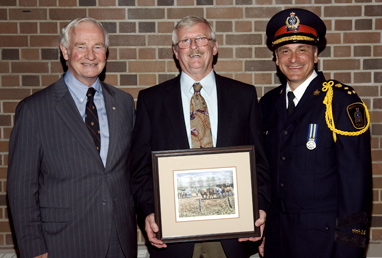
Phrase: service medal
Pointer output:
(312, 136)
(311, 145)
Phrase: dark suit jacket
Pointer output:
(62, 199)
(160, 126)
(320, 197)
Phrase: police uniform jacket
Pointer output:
(320, 196)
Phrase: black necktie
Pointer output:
(91, 118)
(291, 105)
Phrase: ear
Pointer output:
(215, 48)
(175, 50)
(277, 58)
(315, 58)
(65, 52)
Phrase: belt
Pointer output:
(287, 207)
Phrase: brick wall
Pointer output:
(140, 54)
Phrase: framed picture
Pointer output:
(205, 194)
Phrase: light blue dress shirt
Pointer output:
(78, 91)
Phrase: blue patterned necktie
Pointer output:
(91, 118)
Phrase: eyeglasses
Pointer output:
(199, 41)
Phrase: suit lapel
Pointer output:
(67, 110)
(174, 111)
(281, 104)
(112, 119)
(224, 95)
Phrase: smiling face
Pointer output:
(296, 61)
(196, 61)
(86, 54)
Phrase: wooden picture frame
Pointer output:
(205, 194)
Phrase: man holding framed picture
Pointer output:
(197, 109)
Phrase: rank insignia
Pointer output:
(316, 92)
(356, 113)
(292, 22)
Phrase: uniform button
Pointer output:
(327, 228)
(281, 185)
(285, 132)
(283, 158)
(103, 202)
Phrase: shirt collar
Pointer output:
(300, 90)
(78, 89)
(207, 82)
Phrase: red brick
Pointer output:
(179, 13)
(47, 3)
(127, 53)
(147, 80)
(4, 67)
(30, 54)
(146, 66)
(28, 14)
(44, 41)
(165, 27)
(10, 80)
(343, 11)
(8, 28)
(9, 107)
(49, 27)
(343, 77)
(66, 14)
(224, 12)
(377, 156)
(27, 3)
(243, 26)
(225, 52)
(342, 64)
(362, 37)
(106, 2)
(377, 169)
(28, 28)
(13, 41)
(108, 14)
(14, 94)
(67, 3)
(159, 40)
(230, 65)
(146, 53)
(145, 2)
(30, 67)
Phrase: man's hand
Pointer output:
(151, 229)
(260, 222)
(45, 255)
(261, 248)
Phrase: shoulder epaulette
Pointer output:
(357, 111)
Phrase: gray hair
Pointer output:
(65, 32)
(189, 21)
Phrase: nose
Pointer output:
(293, 57)
(193, 44)
(90, 54)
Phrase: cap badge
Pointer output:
(292, 22)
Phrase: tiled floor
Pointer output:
(374, 251)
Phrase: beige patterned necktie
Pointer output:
(200, 120)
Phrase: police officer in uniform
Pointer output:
(318, 146)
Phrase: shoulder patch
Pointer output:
(357, 115)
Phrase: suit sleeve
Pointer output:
(141, 164)
(262, 167)
(25, 156)
(354, 182)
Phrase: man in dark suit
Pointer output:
(318, 147)
(163, 123)
(69, 194)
